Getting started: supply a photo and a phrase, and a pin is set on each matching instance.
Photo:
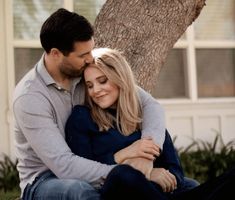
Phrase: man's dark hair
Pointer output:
(62, 29)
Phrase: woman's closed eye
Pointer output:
(102, 80)
(89, 85)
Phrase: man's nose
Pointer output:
(89, 58)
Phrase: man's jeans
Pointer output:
(48, 186)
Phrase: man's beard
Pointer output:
(71, 72)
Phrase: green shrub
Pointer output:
(10, 195)
(9, 179)
(203, 160)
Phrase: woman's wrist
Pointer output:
(119, 157)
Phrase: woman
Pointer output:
(108, 131)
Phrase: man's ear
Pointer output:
(56, 53)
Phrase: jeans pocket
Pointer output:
(27, 194)
(30, 189)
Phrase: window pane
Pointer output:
(172, 78)
(88, 8)
(216, 21)
(25, 59)
(29, 16)
(216, 72)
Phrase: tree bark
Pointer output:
(145, 30)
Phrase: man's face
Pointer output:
(74, 64)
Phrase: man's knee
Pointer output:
(81, 190)
(66, 189)
(190, 183)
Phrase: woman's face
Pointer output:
(101, 90)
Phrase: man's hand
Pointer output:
(144, 148)
(142, 164)
(164, 178)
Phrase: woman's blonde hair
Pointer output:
(128, 113)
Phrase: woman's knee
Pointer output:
(125, 174)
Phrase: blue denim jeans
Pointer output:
(48, 187)
(189, 183)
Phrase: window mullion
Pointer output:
(68, 4)
(10, 70)
(191, 59)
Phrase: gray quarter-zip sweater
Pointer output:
(41, 108)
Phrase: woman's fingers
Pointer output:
(141, 148)
(170, 181)
(148, 146)
(164, 178)
(173, 181)
(147, 156)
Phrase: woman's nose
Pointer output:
(96, 89)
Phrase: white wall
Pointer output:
(4, 127)
(200, 121)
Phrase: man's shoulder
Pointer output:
(29, 84)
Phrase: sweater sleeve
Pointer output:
(153, 118)
(35, 118)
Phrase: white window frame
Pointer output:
(191, 45)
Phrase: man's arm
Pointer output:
(34, 116)
(153, 118)
(153, 126)
(143, 148)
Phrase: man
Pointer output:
(43, 100)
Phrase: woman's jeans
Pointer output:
(48, 187)
(125, 183)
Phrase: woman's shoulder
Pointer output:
(81, 118)
(81, 112)
(81, 108)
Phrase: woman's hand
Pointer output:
(144, 148)
(143, 165)
(164, 178)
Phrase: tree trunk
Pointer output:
(145, 30)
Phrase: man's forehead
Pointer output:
(84, 47)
